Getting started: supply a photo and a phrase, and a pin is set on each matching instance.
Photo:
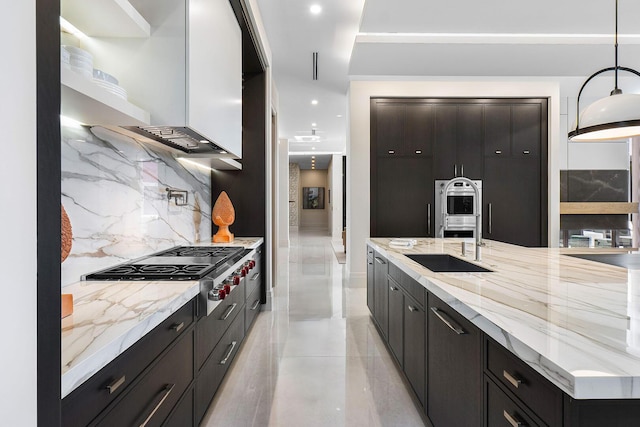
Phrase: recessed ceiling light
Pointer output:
(315, 9)
(313, 148)
(339, 115)
(313, 157)
(314, 102)
(314, 124)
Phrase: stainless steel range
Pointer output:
(217, 268)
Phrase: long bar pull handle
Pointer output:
(255, 305)
(255, 277)
(380, 260)
(116, 384)
(490, 218)
(511, 419)
(455, 171)
(428, 218)
(229, 311)
(231, 347)
(165, 393)
(515, 381)
(178, 327)
(447, 321)
(412, 308)
(461, 170)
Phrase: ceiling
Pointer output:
(309, 162)
(386, 38)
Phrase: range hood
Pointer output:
(180, 138)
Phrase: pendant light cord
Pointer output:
(616, 50)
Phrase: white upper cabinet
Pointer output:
(215, 73)
(180, 62)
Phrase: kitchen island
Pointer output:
(574, 322)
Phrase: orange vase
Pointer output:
(223, 216)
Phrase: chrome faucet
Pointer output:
(477, 210)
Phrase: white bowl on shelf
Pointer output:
(101, 75)
(76, 51)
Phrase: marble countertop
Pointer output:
(576, 322)
(110, 316)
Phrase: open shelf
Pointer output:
(88, 103)
(598, 208)
(105, 18)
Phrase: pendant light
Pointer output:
(611, 118)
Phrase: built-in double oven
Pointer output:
(455, 208)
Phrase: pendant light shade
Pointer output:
(612, 118)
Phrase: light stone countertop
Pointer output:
(576, 322)
(110, 316)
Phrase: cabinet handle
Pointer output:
(393, 288)
(448, 321)
(255, 277)
(428, 218)
(231, 347)
(461, 170)
(165, 393)
(255, 305)
(380, 261)
(116, 384)
(498, 151)
(229, 311)
(411, 308)
(178, 327)
(511, 419)
(512, 379)
(455, 171)
(526, 152)
(392, 151)
(490, 218)
(418, 151)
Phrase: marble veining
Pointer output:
(114, 191)
(575, 321)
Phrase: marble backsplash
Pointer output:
(114, 190)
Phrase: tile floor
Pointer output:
(316, 358)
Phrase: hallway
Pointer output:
(316, 359)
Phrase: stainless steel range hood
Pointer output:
(180, 138)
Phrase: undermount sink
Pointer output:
(442, 263)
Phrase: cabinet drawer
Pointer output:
(154, 396)
(412, 287)
(253, 280)
(536, 392)
(182, 415)
(251, 309)
(369, 252)
(210, 328)
(88, 400)
(217, 365)
(501, 411)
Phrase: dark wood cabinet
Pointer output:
(381, 294)
(415, 346)
(370, 280)
(500, 141)
(396, 321)
(501, 411)
(458, 140)
(454, 364)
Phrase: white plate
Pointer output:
(101, 75)
(78, 52)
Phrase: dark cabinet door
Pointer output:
(370, 284)
(388, 129)
(414, 347)
(381, 295)
(513, 206)
(497, 130)
(469, 142)
(527, 128)
(446, 135)
(418, 129)
(402, 197)
(396, 321)
(454, 383)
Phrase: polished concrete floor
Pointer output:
(316, 358)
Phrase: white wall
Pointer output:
(18, 257)
(358, 163)
(335, 174)
(283, 193)
(314, 218)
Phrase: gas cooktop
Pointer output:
(179, 263)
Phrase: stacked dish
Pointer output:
(80, 61)
(108, 83)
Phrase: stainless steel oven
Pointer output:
(459, 203)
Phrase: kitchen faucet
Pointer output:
(477, 210)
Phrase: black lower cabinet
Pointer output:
(216, 366)
(415, 347)
(396, 321)
(381, 293)
(370, 283)
(454, 366)
(501, 411)
(182, 415)
(152, 398)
